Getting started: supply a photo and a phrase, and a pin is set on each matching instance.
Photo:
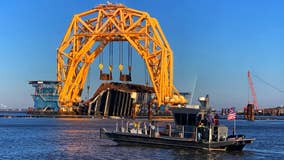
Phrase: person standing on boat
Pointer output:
(215, 127)
(152, 129)
(145, 129)
(209, 119)
(200, 131)
(216, 120)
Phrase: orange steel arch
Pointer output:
(88, 34)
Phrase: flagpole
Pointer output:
(233, 116)
(234, 126)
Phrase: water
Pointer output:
(51, 138)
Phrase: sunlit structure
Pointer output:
(45, 96)
(89, 32)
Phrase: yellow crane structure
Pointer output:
(90, 31)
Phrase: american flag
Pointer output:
(232, 114)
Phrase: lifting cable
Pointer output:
(101, 61)
(110, 62)
(88, 83)
(120, 56)
(129, 58)
(267, 83)
(146, 75)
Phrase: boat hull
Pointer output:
(131, 139)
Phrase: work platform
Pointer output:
(45, 96)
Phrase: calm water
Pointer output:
(50, 138)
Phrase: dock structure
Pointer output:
(45, 96)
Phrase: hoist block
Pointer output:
(125, 77)
(105, 76)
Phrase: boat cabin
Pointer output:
(200, 123)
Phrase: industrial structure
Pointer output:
(91, 31)
(119, 99)
(249, 110)
(254, 101)
(45, 96)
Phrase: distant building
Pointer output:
(45, 96)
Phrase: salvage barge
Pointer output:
(193, 128)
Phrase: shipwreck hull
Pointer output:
(117, 99)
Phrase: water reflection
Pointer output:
(51, 138)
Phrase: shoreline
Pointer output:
(159, 118)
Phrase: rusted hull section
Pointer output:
(117, 99)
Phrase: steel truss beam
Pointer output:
(89, 32)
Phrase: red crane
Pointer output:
(252, 91)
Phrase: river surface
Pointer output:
(57, 138)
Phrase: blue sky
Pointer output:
(216, 41)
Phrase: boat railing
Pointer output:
(195, 133)
(155, 129)
(132, 126)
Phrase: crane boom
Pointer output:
(252, 90)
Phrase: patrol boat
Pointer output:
(193, 127)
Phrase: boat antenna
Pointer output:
(194, 87)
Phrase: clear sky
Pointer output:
(216, 41)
